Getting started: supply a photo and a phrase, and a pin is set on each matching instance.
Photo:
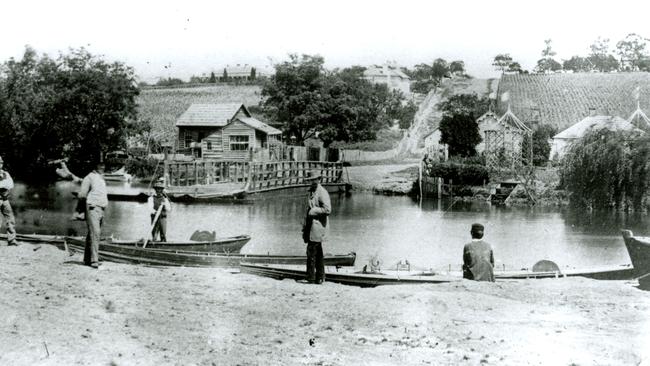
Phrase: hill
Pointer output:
(562, 100)
(429, 115)
(163, 106)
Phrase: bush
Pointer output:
(145, 167)
(464, 174)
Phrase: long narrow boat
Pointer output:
(639, 250)
(231, 244)
(351, 277)
(164, 257)
(347, 276)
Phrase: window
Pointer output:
(209, 145)
(188, 139)
(238, 143)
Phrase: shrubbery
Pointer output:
(145, 167)
(459, 173)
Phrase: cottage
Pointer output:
(390, 75)
(563, 140)
(223, 131)
(434, 148)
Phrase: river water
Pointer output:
(428, 235)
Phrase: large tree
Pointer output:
(601, 58)
(608, 169)
(337, 105)
(632, 50)
(460, 133)
(77, 106)
(502, 61)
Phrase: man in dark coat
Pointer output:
(478, 258)
(314, 230)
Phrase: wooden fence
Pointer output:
(257, 175)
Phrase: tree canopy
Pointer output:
(77, 106)
(608, 169)
(337, 105)
(458, 127)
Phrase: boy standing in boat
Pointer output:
(478, 258)
(155, 202)
(314, 228)
(6, 185)
(93, 191)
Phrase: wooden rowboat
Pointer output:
(351, 277)
(347, 276)
(639, 250)
(231, 244)
(167, 257)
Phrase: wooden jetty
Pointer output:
(217, 181)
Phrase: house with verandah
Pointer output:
(223, 131)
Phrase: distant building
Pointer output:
(243, 72)
(563, 140)
(390, 75)
(223, 131)
(502, 140)
(435, 149)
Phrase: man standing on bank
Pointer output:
(314, 228)
(6, 185)
(154, 202)
(93, 190)
(478, 258)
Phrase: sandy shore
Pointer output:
(58, 312)
(383, 179)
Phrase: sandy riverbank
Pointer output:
(57, 312)
(383, 179)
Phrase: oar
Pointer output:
(153, 224)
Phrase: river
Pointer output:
(428, 235)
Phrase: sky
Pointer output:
(187, 37)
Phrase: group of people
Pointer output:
(93, 199)
(478, 257)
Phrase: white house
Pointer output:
(563, 140)
(390, 75)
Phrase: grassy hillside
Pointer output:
(163, 106)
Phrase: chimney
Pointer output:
(592, 111)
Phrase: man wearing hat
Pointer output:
(315, 225)
(6, 185)
(478, 258)
(155, 202)
(93, 191)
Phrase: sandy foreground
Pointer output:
(57, 312)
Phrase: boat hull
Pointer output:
(221, 245)
(348, 277)
(638, 249)
(405, 277)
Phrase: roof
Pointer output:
(510, 120)
(595, 123)
(377, 70)
(259, 125)
(639, 120)
(239, 70)
(561, 100)
(210, 115)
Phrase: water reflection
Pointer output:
(392, 228)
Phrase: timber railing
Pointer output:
(258, 176)
(272, 175)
